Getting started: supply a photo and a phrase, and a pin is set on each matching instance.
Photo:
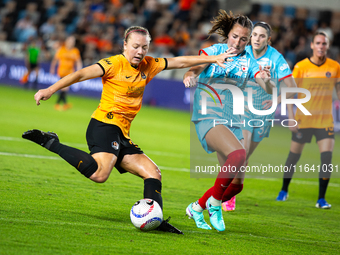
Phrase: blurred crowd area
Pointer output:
(177, 27)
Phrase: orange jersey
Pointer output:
(320, 82)
(67, 60)
(123, 89)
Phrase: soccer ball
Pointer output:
(146, 214)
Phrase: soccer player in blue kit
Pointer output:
(223, 137)
(256, 127)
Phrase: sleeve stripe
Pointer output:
(285, 77)
(202, 51)
(166, 63)
(102, 69)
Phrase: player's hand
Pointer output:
(265, 73)
(225, 57)
(189, 81)
(294, 129)
(42, 94)
(267, 104)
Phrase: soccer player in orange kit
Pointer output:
(124, 78)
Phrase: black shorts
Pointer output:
(32, 66)
(304, 135)
(103, 137)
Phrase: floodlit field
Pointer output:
(47, 207)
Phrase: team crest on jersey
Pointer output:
(244, 68)
(328, 74)
(143, 76)
(109, 115)
(156, 59)
(115, 145)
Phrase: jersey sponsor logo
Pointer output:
(328, 74)
(107, 61)
(143, 76)
(135, 91)
(115, 145)
(284, 66)
(110, 115)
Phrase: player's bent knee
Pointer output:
(154, 173)
(99, 177)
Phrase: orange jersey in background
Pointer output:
(123, 88)
(320, 82)
(67, 59)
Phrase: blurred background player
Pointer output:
(270, 58)
(323, 75)
(124, 78)
(32, 62)
(68, 60)
(223, 138)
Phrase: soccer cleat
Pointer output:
(42, 138)
(197, 217)
(283, 195)
(67, 106)
(57, 107)
(216, 218)
(322, 203)
(167, 227)
(229, 205)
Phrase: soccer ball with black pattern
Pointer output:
(146, 214)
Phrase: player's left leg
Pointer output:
(326, 149)
(142, 166)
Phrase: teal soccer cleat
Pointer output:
(216, 218)
(197, 217)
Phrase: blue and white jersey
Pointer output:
(213, 100)
(279, 70)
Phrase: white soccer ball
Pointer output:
(146, 214)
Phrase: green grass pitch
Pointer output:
(47, 207)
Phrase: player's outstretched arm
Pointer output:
(189, 61)
(86, 73)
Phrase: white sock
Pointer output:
(196, 207)
(215, 202)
